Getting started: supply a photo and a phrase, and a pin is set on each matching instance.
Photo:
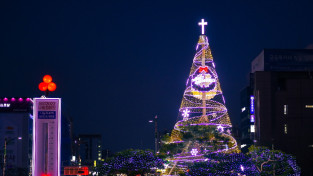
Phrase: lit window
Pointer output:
(308, 106)
(285, 128)
(252, 129)
(243, 109)
(285, 109)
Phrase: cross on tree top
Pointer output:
(202, 24)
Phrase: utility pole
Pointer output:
(4, 156)
(156, 133)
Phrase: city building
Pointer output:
(66, 139)
(89, 149)
(107, 153)
(15, 135)
(247, 119)
(279, 104)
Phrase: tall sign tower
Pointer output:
(46, 132)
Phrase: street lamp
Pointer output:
(155, 121)
(6, 141)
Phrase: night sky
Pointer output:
(117, 64)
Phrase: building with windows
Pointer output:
(246, 121)
(88, 149)
(280, 104)
(15, 135)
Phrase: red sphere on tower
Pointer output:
(47, 84)
(43, 86)
(52, 86)
(47, 79)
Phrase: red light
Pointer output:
(43, 86)
(205, 69)
(47, 84)
(47, 79)
(52, 86)
(45, 174)
(76, 170)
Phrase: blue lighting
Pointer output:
(252, 104)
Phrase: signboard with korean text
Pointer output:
(46, 136)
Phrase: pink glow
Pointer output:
(27, 99)
(5, 99)
(20, 99)
(12, 99)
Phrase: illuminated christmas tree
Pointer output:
(203, 125)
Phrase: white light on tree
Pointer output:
(220, 128)
(242, 168)
(186, 114)
(194, 152)
(204, 80)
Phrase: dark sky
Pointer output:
(119, 63)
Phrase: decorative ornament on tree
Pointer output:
(194, 152)
(186, 114)
(220, 128)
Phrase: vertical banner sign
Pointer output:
(252, 119)
(46, 137)
(252, 104)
